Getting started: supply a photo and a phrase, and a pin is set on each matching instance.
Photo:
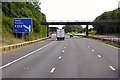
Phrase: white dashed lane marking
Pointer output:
(25, 56)
(26, 68)
(92, 50)
(63, 51)
(99, 56)
(111, 67)
(52, 70)
(60, 57)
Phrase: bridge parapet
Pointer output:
(70, 20)
(77, 22)
(105, 20)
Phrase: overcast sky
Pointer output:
(76, 9)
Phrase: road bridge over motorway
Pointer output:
(76, 22)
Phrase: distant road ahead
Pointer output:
(73, 58)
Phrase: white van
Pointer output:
(60, 34)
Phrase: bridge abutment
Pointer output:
(47, 30)
(87, 30)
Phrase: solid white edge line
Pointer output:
(52, 70)
(24, 56)
(60, 57)
(112, 68)
(99, 56)
(111, 46)
(108, 45)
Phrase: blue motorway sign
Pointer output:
(22, 25)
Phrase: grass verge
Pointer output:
(106, 42)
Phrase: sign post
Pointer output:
(23, 36)
(16, 35)
(29, 36)
(22, 25)
(47, 30)
(86, 30)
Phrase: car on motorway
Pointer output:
(71, 35)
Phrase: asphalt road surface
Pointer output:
(72, 58)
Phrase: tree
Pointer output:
(108, 29)
(12, 10)
(73, 28)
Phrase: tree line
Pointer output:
(99, 29)
(108, 16)
(32, 10)
(73, 28)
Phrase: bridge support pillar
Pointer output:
(47, 30)
(86, 30)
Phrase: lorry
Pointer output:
(60, 34)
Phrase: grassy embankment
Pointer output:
(93, 32)
(12, 10)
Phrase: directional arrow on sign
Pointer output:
(29, 28)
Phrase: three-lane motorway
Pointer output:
(72, 58)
